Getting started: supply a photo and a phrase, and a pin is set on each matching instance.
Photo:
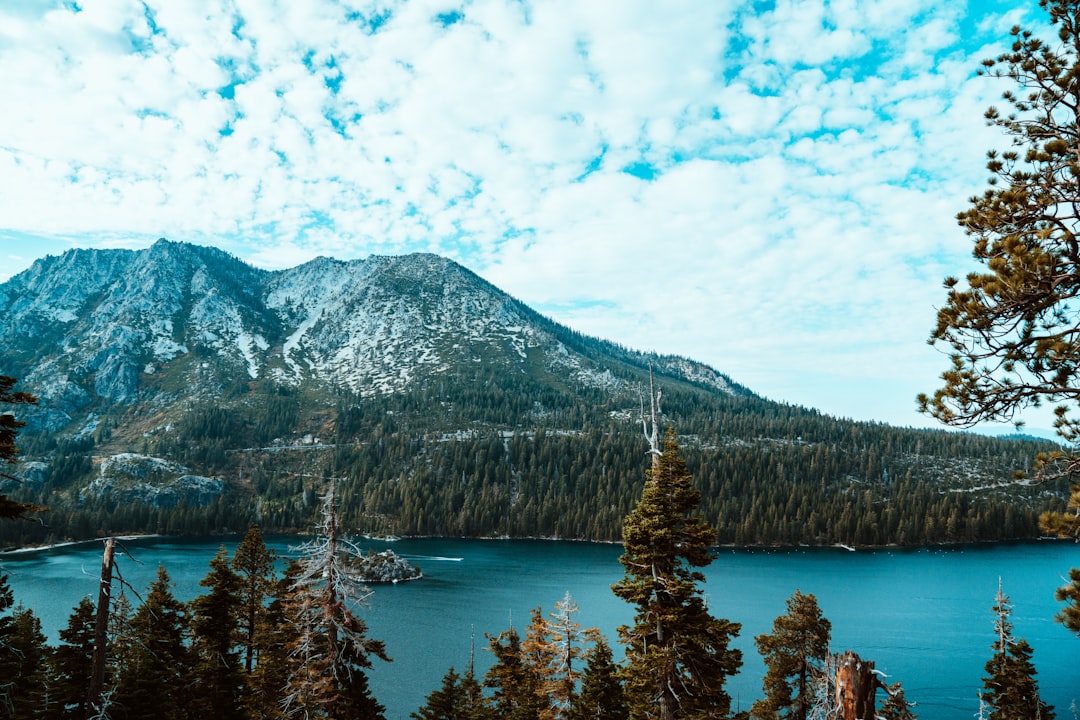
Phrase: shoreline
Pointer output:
(73, 543)
(506, 538)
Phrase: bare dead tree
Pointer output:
(856, 685)
(650, 424)
(330, 649)
(844, 689)
(94, 705)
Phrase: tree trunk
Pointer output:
(97, 675)
(856, 685)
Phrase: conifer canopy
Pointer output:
(678, 654)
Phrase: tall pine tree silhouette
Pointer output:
(1012, 693)
(678, 654)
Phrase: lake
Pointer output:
(923, 616)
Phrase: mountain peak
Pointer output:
(98, 327)
(180, 377)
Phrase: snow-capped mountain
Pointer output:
(95, 328)
(182, 390)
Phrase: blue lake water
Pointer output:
(923, 616)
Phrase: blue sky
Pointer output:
(768, 187)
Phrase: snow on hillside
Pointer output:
(93, 326)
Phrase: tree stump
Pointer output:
(856, 685)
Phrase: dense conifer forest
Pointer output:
(462, 461)
(260, 642)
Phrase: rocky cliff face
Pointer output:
(93, 329)
(129, 478)
(182, 390)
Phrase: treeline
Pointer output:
(483, 458)
(256, 644)
(232, 653)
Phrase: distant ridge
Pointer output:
(94, 326)
(184, 391)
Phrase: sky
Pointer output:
(767, 187)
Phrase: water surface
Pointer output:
(923, 615)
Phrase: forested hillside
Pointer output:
(182, 391)
(442, 462)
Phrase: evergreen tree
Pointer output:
(217, 678)
(568, 646)
(254, 563)
(551, 648)
(793, 653)
(896, 706)
(330, 650)
(9, 429)
(1012, 693)
(1070, 595)
(1012, 331)
(457, 699)
(119, 639)
(602, 696)
(538, 658)
(475, 705)
(70, 664)
(22, 667)
(274, 633)
(513, 682)
(153, 661)
(8, 658)
(678, 655)
(1067, 525)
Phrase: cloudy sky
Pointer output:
(769, 187)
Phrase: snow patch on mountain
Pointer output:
(60, 315)
(695, 372)
(116, 327)
(248, 344)
(165, 349)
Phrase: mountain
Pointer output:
(93, 329)
(182, 390)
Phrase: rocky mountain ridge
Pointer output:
(184, 391)
(110, 326)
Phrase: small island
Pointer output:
(386, 567)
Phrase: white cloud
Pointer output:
(800, 166)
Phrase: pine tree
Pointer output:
(551, 648)
(330, 650)
(513, 682)
(602, 696)
(538, 657)
(567, 640)
(1070, 595)
(217, 678)
(1012, 693)
(9, 428)
(254, 563)
(454, 700)
(153, 660)
(22, 667)
(474, 705)
(70, 664)
(8, 657)
(896, 706)
(1012, 331)
(678, 655)
(274, 633)
(793, 653)
(22, 654)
